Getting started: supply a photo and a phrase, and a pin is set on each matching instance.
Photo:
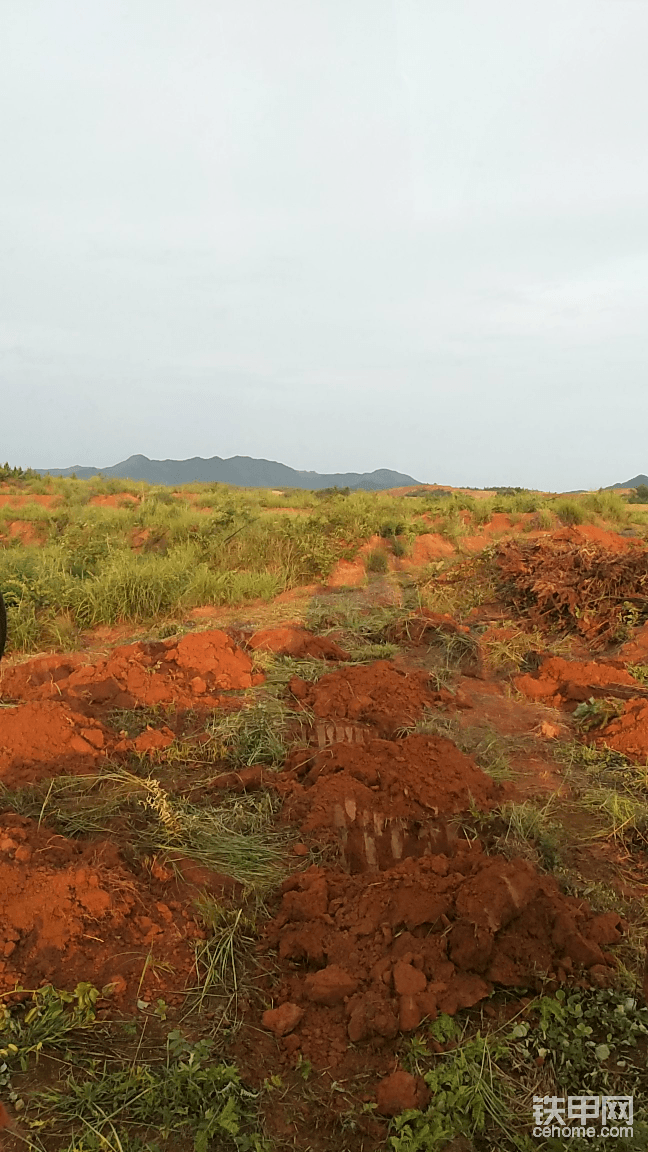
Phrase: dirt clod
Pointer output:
(282, 1020)
(293, 640)
(399, 1091)
(381, 694)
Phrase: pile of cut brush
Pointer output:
(575, 587)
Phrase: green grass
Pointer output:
(147, 1107)
(377, 562)
(570, 1043)
(235, 837)
(261, 733)
(222, 957)
(213, 544)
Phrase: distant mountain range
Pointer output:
(634, 483)
(242, 471)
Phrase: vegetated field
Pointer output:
(323, 817)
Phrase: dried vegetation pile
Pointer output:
(560, 584)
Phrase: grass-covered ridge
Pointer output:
(75, 554)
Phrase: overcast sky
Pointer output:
(342, 234)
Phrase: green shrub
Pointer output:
(376, 561)
(569, 512)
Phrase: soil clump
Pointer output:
(573, 681)
(72, 911)
(44, 739)
(628, 733)
(383, 800)
(188, 673)
(380, 694)
(295, 640)
(368, 956)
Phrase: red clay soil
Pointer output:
(295, 640)
(14, 500)
(559, 681)
(380, 694)
(382, 800)
(635, 651)
(429, 546)
(187, 673)
(27, 531)
(71, 911)
(628, 733)
(116, 500)
(365, 957)
(42, 739)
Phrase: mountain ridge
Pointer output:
(634, 483)
(240, 471)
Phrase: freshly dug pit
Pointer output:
(186, 673)
(380, 694)
(71, 911)
(383, 800)
(365, 957)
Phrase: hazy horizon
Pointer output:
(403, 234)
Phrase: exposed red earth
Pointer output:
(381, 694)
(59, 723)
(295, 640)
(405, 919)
(562, 681)
(367, 956)
(72, 911)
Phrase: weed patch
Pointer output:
(147, 1107)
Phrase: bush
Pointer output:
(376, 561)
(569, 512)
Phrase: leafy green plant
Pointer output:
(150, 1106)
(595, 713)
(44, 1019)
(469, 1094)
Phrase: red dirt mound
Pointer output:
(43, 739)
(69, 912)
(384, 800)
(186, 672)
(378, 954)
(380, 694)
(293, 640)
(561, 680)
(629, 732)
